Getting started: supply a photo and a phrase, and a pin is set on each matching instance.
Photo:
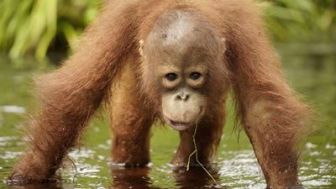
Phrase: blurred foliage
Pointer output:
(301, 20)
(35, 27)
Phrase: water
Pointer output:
(313, 76)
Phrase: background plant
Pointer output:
(36, 26)
(304, 20)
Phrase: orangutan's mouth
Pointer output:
(178, 125)
(181, 125)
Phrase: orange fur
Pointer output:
(107, 57)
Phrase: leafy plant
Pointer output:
(306, 20)
(31, 26)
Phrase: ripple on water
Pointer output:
(13, 109)
(83, 156)
(78, 154)
(240, 170)
(10, 155)
(7, 140)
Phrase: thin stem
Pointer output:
(197, 159)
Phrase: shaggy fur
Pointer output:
(107, 65)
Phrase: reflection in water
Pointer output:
(131, 178)
(138, 178)
(39, 186)
(196, 178)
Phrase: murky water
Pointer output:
(236, 167)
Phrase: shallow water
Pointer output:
(236, 167)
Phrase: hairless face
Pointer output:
(179, 53)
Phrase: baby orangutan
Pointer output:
(176, 61)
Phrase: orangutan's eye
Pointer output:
(171, 76)
(195, 75)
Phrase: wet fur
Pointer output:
(108, 56)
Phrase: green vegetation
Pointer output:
(301, 21)
(36, 27)
(32, 27)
